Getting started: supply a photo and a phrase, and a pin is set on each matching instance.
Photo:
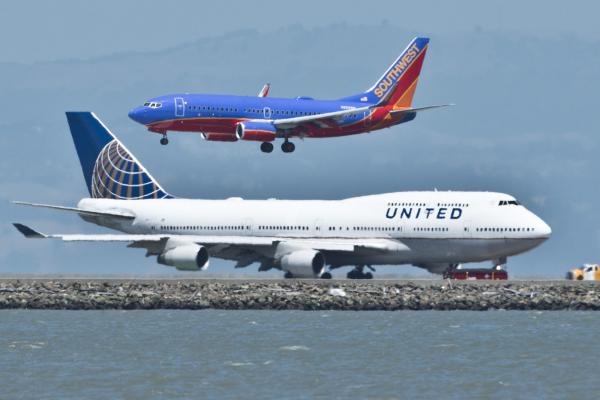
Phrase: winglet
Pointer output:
(28, 232)
(264, 92)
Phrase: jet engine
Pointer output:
(189, 257)
(218, 137)
(256, 130)
(304, 263)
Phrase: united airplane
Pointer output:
(263, 119)
(304, 239)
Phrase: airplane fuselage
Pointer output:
(259, 118)
(220, 114)
(421, 228)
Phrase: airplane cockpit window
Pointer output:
(509, 203)
(146, 104)
(153, 104)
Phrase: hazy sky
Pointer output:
(50, 30)
(524, 76)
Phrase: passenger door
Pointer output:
(267, 112)
(367, 118)
(318, 227)
(179, 107)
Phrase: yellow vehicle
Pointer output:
(588, 272)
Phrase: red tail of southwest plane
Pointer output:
(397, 85)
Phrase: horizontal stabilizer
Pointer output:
(114, 214)
(28, 232)
(418, 109)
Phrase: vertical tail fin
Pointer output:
(109, 169)
(398, 83)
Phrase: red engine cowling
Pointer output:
(256, 130)
(218, 137)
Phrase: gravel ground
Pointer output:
(101, 294)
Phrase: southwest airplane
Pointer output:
(305, 239)
(230, 118)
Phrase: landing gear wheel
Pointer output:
(164, 141)
(288, 275)
(266, 147)
(358, 273)
(326, 275)
(288, 147)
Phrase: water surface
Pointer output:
(295, 354)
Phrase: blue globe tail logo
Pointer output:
(118, 175)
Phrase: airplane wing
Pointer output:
(115, 213)
(323, 119)
(288, 123)
(227, 247)
(264, 92)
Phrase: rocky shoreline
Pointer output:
(112, 294)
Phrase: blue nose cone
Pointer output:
(138, 114)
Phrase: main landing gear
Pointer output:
(288, 147)
(358, 272)
(266, 147)
(164, 141)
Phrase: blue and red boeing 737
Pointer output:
(260, 118)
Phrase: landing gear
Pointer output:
(164, 141)
(358, 272)
(288, 147)
(266, 147)
(499, 264)
(326, 275)
(288, 275)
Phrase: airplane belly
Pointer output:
(439, 251)
(199, 124)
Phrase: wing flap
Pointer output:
(349, 245)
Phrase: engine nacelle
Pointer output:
(218, 137)
(256, 130)
(304, 263)
(189, 257)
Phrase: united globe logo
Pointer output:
(117, 175)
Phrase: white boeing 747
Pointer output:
(304, 239)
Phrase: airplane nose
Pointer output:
(545, 230)
(136, 114)
(133, 114)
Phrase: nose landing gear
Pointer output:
(164, 141)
